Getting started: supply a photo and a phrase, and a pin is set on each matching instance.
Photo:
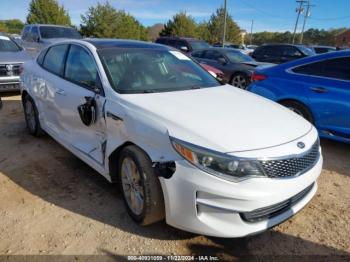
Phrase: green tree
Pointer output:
(3, 27)
(104, 20)
(13, 26)
(181, 24)
(203, 31)
(215, 27)
(47, 12)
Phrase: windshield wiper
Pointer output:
(195, 87)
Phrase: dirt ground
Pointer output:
(53, 203)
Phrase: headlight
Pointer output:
(218, 164)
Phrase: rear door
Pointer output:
(328, 87)
(48, 83)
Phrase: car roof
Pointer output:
(121, 43)
(220, 49)
(280, 44)
(310, 59)
(180, 38)
(323, 46)
(49, 25)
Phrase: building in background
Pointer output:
(343, 39)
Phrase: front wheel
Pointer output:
(240, 80)
(140, 186)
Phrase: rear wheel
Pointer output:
(240, 80)
(32, 117)
(140, 186)
(299, 109)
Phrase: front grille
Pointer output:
(294, 166)
(274, 210)
(14, 72)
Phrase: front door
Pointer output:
(77, 93)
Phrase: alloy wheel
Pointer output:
(132, 186)
(239, 81)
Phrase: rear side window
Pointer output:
(172, 42)
(291, 51)
(81, 67)
(338, 68)
(161, 41)
(54, 59)
(197, 54)
(273, 50)
(213, 55)
(315, 69)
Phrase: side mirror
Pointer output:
(184, 48)
(88, 111)
(222, 61)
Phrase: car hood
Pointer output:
(257, 64)
(225, 119)
(14, 57)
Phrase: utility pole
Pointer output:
(306, 16)
(251, 32)
(299, 11)
(225, 21)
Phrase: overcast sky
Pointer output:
(270, 15)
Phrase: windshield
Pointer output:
(146, 71)
(7, 45)
(306, 50)
(238, 57)
(58, 32)
(199, 45)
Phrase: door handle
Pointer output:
(319, 89)
(60, 92)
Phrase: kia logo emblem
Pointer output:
(301, 145)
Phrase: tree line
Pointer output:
(103, 20)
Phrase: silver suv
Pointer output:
(37, 36)
(12, 56)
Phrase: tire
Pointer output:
(32, 117)
(240, 80)
(299, 109)
(145, 186)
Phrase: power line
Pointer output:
(271, 15)
(331, 18)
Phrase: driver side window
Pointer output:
(81, 68)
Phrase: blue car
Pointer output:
(316, 87)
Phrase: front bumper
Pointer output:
(10, 83)
(201, 203)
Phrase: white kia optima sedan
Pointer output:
(209, 158)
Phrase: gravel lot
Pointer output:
(52, 203)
